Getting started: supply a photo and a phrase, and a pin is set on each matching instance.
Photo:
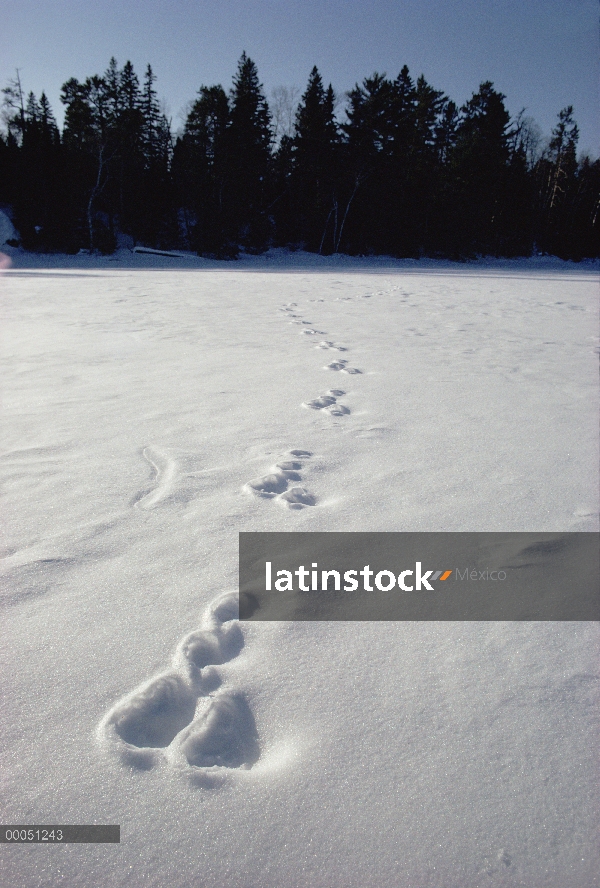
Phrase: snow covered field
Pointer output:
(146, 402)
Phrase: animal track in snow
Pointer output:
(269, 485)
(320, 403)
(222, 735)
(328, 403)
(177, 717)
(298, 497)
(155, 714)
(326, 344)
(275, 485)
(341, 365)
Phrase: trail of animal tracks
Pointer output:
(152, 414)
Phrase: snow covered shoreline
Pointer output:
(279, 259)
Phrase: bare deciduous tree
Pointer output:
(284, 104)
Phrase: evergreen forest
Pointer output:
(394, 168)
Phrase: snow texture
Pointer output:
(153, 407)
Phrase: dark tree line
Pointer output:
(407, 173)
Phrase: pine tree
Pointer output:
(47, 119)
(369, 136)
(200, 169)
(36, 200)
(445, 131)
(424, 187)
(248, 160)
(207, 123)
(313, 177)
(478, 167)
(151, 118)
(429, 105)
(369, 129)
(156, 224)
(112, 86)
(104, 139)
(403, 114)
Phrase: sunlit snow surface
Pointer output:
(152, 409)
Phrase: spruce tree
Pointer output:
(425, 186)
(314, 172)
(151, 118)
(112, 86)
(248, 160)
(402, 210)
(200, 169)
(37, 202)
(369, 135)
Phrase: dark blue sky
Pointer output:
(542, 54)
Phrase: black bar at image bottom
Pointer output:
(50, 834)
